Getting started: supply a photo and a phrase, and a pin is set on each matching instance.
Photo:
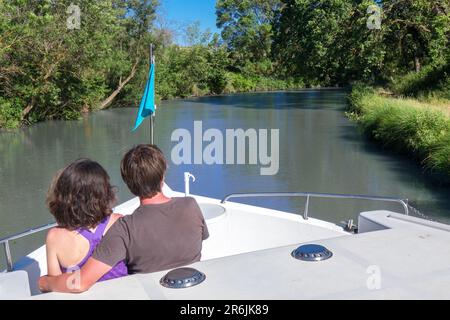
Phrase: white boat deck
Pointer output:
(248, 256)
(234, 229)
(413, 260)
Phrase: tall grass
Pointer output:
(415, 128)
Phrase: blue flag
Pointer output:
(147, 106)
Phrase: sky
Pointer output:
(183, 12)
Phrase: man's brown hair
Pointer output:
(143, 169)
(81, 195)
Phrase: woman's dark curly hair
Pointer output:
(81, 195)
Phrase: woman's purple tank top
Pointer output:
(94, 238)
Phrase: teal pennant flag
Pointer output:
(147, 106)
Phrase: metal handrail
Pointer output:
(7, 249)
(309, 195)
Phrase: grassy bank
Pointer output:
(417, 128)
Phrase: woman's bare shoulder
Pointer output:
(55, 235)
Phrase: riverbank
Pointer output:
(419, 128)
(11, 116)
(319, 151)
(239, 83)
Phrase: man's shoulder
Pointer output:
(189, 206)
(174, 201)
(176, 205)
(120, 226)
(187, 203)
(185, 200)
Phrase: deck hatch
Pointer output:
(182, 278)
(311, 252)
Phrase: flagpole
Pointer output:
(152, 116)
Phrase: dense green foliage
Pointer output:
(418, 129)
(432, 82)
(49, 71)
(248, 31)
(329, 41)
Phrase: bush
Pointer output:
(407, 126)
(239, 82)
(10, 115)
(217, 81)
(430, 82)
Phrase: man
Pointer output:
(163, 233)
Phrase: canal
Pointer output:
(320, 151)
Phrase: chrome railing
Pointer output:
(308, 195)
(7, 249)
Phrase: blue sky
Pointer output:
(183, 12)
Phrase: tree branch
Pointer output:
(105, 103)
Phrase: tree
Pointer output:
(329, 41)
(58, 72)
(195, 36)
(416, 31)
(319, 39)
(137, 18)
(52, 70)
(247, 27)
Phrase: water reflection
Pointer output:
(320, 151)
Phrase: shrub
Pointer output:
(10, 115)
(407, 126)
(430, 82)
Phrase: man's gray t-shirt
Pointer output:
(155, 237)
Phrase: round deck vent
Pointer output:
(182, 278)
(312, 252)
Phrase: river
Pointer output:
(320, 151)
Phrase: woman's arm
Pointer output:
(76, 282)
(53, 267)
(108, 253)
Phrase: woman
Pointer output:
(81, 199)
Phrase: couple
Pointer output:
(161, 234)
